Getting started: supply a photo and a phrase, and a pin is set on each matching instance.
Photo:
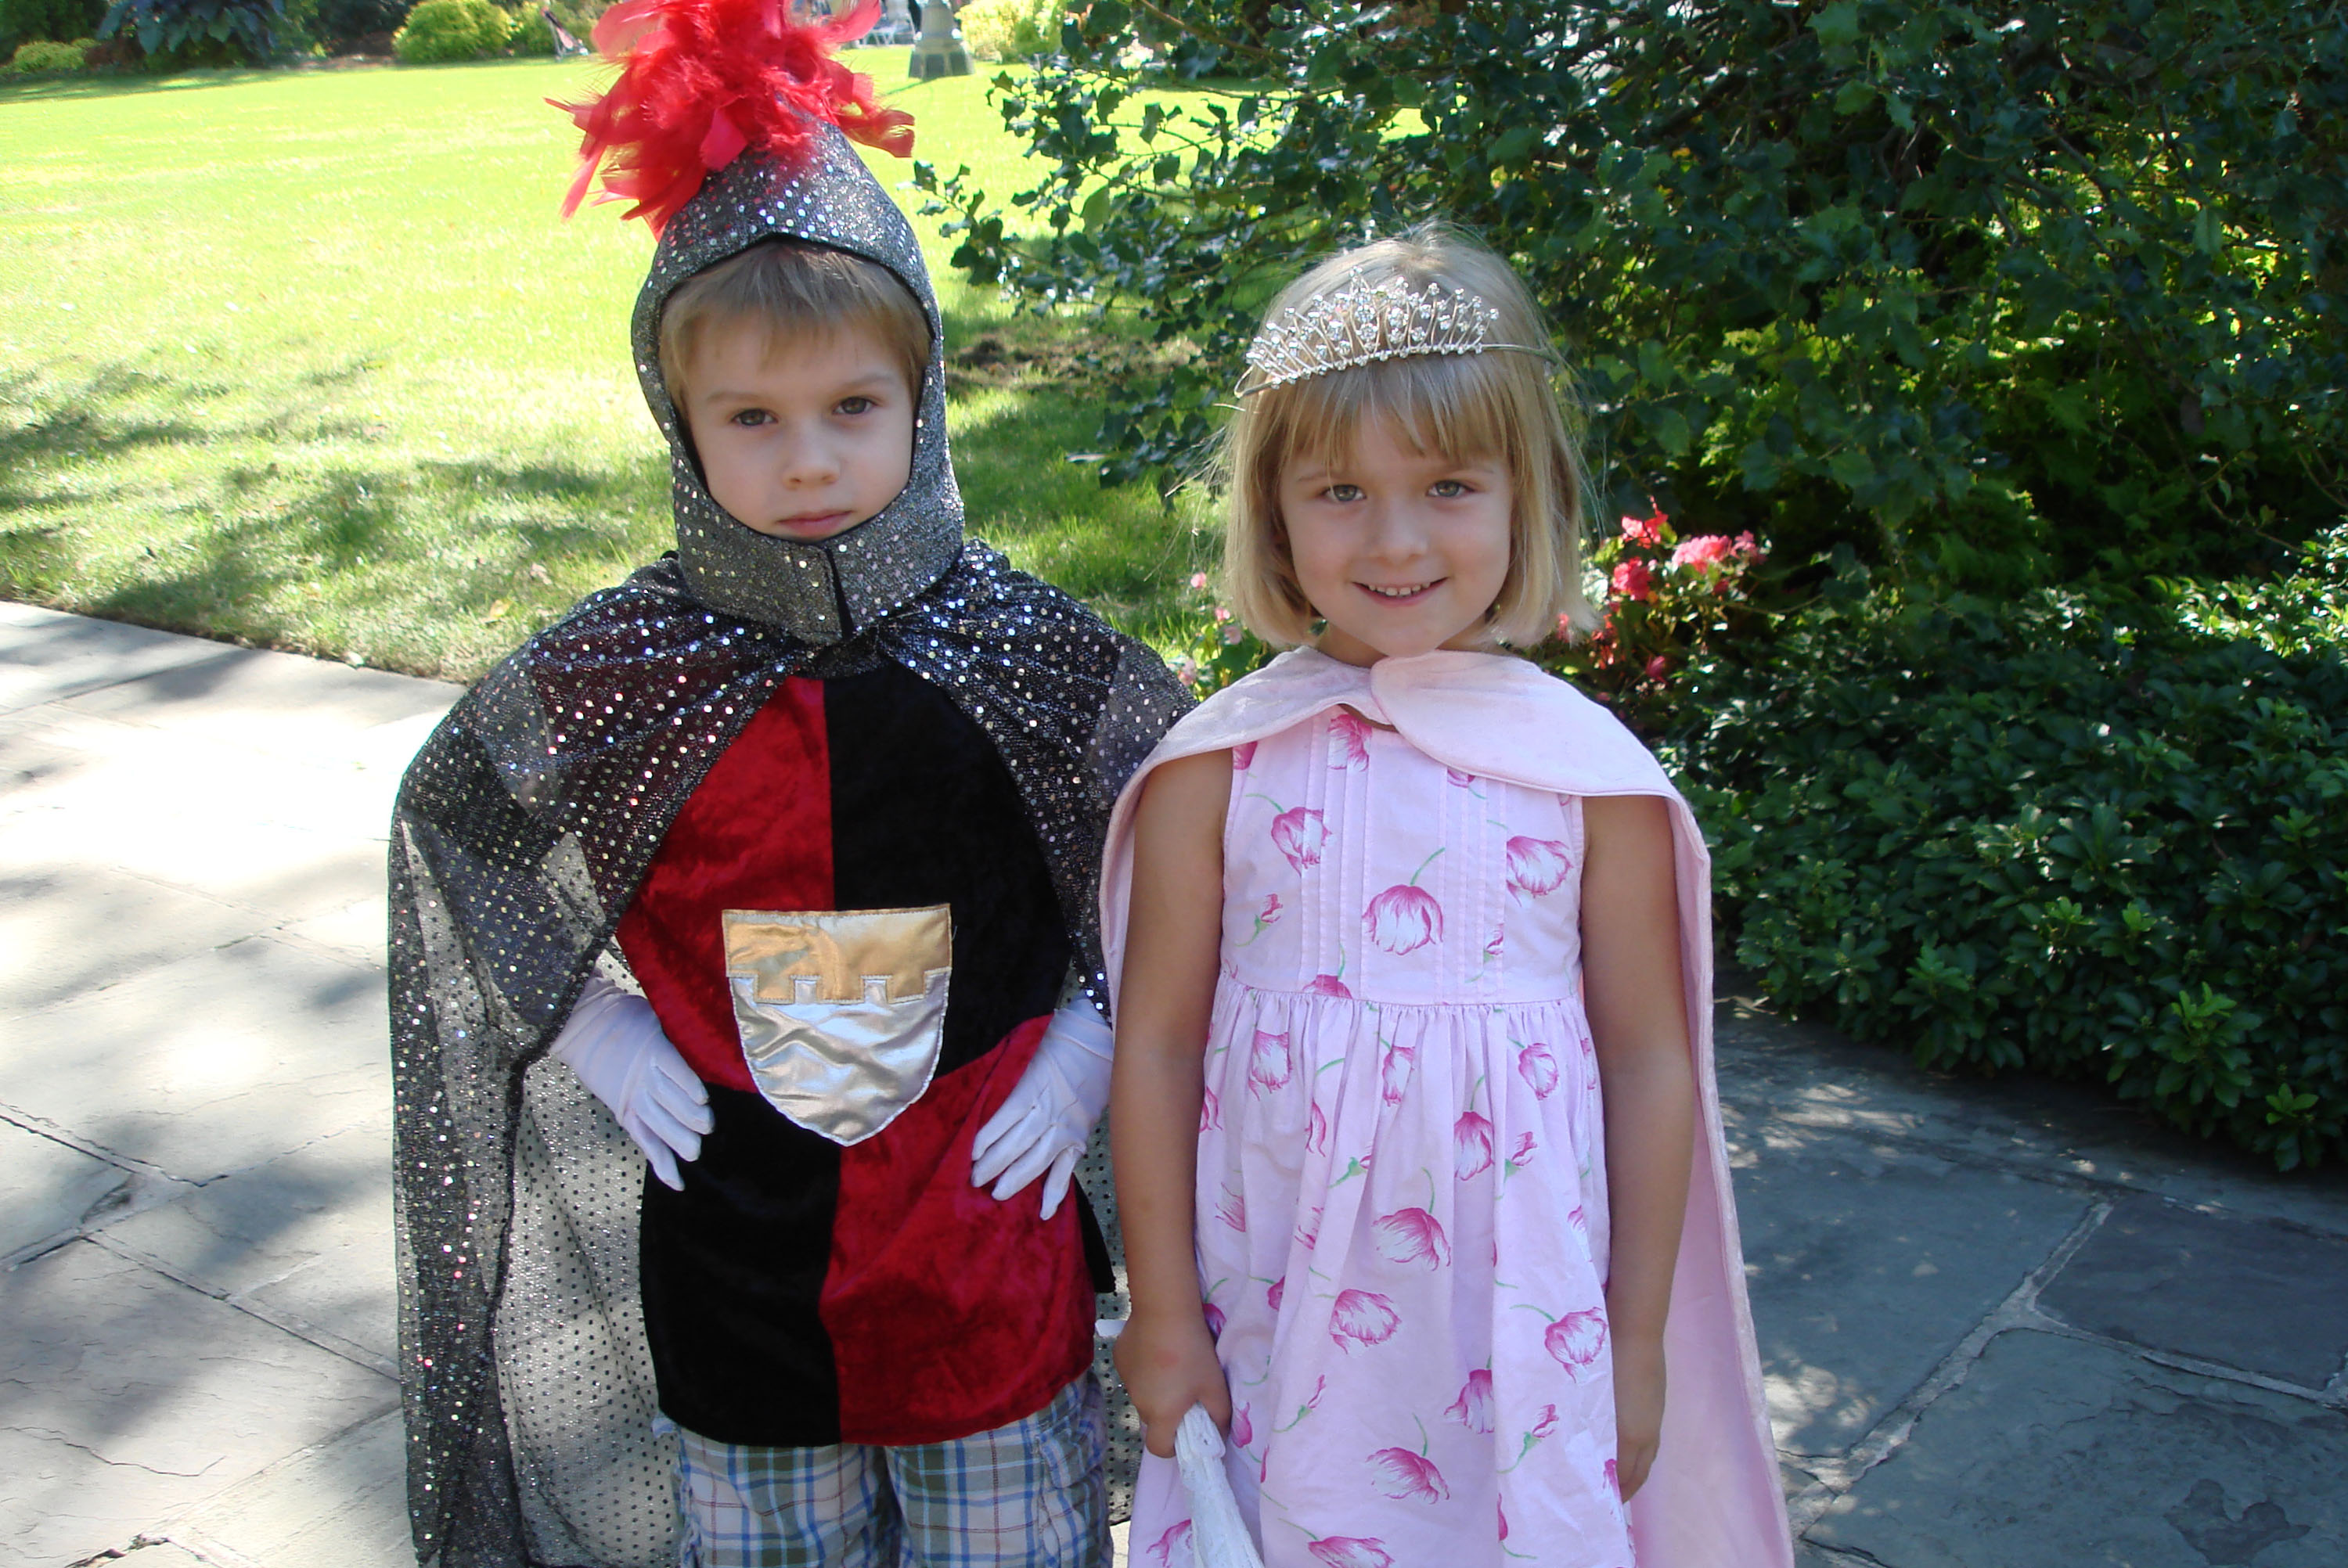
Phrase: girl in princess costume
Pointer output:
(1418, 1156)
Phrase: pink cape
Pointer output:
(1713, 1499)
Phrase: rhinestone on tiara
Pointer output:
(1359, 323)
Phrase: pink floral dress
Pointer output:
(1402, 1207)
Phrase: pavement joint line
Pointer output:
(182, 1531)
(1837, 1475)
(284, 1322)
(2042, 1321)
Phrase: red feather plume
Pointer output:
(700, 80)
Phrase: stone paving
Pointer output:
(2005, 1326)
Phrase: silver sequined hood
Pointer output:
(828, 590)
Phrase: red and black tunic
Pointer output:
(797, 1292)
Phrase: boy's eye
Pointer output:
(750, 416)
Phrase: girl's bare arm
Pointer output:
(1638, 1019)
(1166, 992)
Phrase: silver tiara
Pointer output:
(1360, 322)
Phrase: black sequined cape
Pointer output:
(521, 831)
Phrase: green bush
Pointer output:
(2002, 295)
(198, 32)
(531, 35)
(443, 30)
(2066, 833)
(43, 57)
(53, 21)
(1009, 29)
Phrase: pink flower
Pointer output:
(1658, 667)
(1349, 740)
(1316, 1131)
(1277, 1294)
(1221, 614)
(1214, 1315)
(1350, 1552)
(1327, 985)
(1308, 1235)
(1580, 1221)
(1471, 1146)
(1538, 1069)
(1473, 1408)
(1748, 549)
(1242, 756)
(1404, 918)
(1703, 552)
(1363, 1318)
(1575, 1339)
(1269, 913)
(1211, 1111)
(1232, 1210)
(1242, 1429)
(1269, 1062)
(1537, 867)
(1412, 1235)
(1522, 1154)
(1198, 579)
(1394, 1072)
(1504, 1517)
(1614, 1477)
(1647, 530)
(1463, 781)
(1632, 581)
(1178, 1536)
(1498, 940)
(1543, 1425)
(1407, 1477)
(1297, 834)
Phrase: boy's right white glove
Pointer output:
(613, 1042)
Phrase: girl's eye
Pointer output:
(1343, 492)
(857, 405)
(1449, 489)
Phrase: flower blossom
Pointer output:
(1316, 1131)
(1361, 1318)
(1278, 1292)
(1349, 740)
(1473, 1408)
(1350, 1552)
(1575, 1340)
(1327, 985)
(1404, 918)
(1214, 1317)
(1299, 835)
(1232, 1210)
(1211, 1111)
(1407, 1476)
(1242, 755)
(1471, 1145)
(1522, 1154)
(1658, 667)
(1536, 867)
(1647, 530)
(1542, 1426)
(1703, 552)
(1198, 579)
(1177, 1537)
(1538, 1069)
(1632, 581)
(1270, 1061)
(1242, 1429)
(1394, 1072)
(1412, 1235)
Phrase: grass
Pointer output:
(306, 359)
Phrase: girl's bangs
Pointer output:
(1454, 405)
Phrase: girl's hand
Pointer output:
(1169, 1364)
(1638, 1412)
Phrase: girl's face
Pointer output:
(1401, 552)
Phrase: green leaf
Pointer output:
(1837, 25)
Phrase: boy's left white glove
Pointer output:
(1043, 1128)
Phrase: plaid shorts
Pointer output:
(1032, 1494)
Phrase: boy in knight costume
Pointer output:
(751, 1267)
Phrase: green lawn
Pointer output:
(307, 360)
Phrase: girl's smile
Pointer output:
(1401, 552)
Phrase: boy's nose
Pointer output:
(809, 461)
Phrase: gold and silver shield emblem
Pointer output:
(840, 1012)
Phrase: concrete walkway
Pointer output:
(2005, 1326)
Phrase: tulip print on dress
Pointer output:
(1407, 1477)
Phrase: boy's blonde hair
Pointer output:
(1493, 404)
(787, 290)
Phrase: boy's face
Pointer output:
(800, 437)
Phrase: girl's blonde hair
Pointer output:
(1498, 404)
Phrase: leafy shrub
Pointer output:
(531, 35)
(2005, 295)
(342, 21)
(443, 30)
(43, 57)
(55, 21)
(2066, 833)
(1009, 29)
(198, 32)
(1665, 601)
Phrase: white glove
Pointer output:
(1043, 1128)
(612, 1040)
